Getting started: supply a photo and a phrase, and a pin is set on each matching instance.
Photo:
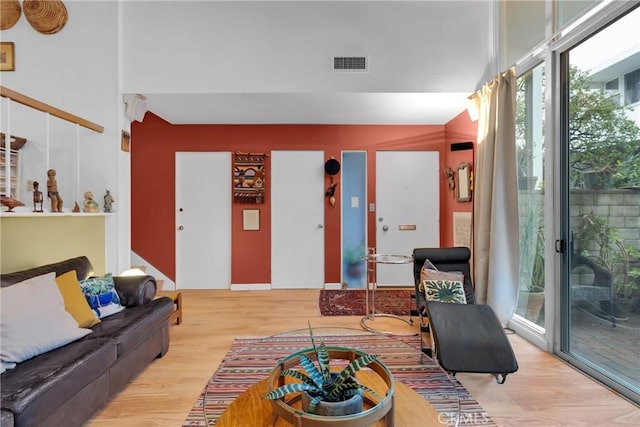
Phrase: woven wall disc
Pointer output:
(10, 11)
(45, 16)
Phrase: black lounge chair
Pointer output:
(465, 337)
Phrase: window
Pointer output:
(530, 159)
(612, 90)
(632, 87)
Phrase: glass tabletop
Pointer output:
(400, 354)
(388, 258)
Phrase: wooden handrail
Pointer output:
(46, 108)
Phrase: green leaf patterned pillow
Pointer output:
(449, 291)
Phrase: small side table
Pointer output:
(176, 314)
(373, 259)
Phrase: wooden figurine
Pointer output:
(37, 197)
(90, 205)
(52, 191)
(108, 201)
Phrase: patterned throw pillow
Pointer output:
(101, 295)
(449, 291)
(74, 301)
(428, 274)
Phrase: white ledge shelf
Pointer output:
(28, 214)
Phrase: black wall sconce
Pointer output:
(331, 168)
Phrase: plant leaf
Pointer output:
(323, 360)
(349, 389)
(313, 403)
(370, 391)
(313, 342)
(289, 388)
(312, 370)
(298, 375)
(355, 366)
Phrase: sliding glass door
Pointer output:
(600, 308)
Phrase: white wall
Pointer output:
(76, 70)
(285, 46)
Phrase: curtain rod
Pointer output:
(46, 108)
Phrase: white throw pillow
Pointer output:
(33, 320)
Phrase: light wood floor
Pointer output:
(544, 392)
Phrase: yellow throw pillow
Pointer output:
(74, 301)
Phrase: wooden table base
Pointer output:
(252, 409)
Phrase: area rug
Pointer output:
(250, 360)
(351, 302)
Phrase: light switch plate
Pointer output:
(372, 207)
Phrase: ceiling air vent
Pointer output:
(349, 63)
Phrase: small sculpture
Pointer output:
(90, 205)
(37, 197)
(10, 202)
(76, 207)
(108, 201)
(52, 191)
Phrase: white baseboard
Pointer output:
(251, 287)
(530, 332)
(333, 285)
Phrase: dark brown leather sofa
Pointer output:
(66, 386)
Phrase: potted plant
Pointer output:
(603, 244)
(355, 265)
(526, 180)
(532, 247)
(325, 392)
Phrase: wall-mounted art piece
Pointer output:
(251, 219)
(249, 178)
(462, 229)
(7, 56)
(125, 141)
(464, 182)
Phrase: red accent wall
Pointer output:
(458, 129)
(154, 143)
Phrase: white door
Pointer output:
(408, 209)
(297, 219)
(203, 220)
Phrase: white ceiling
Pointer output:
(242, 62)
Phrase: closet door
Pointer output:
(203, 220)
(297, 219)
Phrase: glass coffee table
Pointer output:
(415, 377)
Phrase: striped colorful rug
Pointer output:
(351, 302)
(251, 360)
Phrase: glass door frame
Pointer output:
(528, 330)
(557, 81)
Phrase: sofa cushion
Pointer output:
(101, 295)
(131, 327)
(34, 320)
(50, 379)
(74, 301)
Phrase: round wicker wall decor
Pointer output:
(45, 16)
(10, 11)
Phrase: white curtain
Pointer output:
(495, 225)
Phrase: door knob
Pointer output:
(385, 228)
(320, 226)
(181, 228)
